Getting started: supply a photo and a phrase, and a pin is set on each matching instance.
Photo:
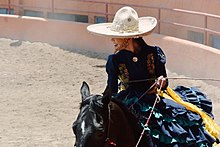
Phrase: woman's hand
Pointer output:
(161, 82)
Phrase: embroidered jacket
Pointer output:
(127, 66)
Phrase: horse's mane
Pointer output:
(133, 121)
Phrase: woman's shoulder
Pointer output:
(114, 57)
(151, 48)
(157, 51)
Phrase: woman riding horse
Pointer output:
(138, 65)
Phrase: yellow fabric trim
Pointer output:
(210, 124)
(162, 94)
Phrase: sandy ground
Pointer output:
(39, 86)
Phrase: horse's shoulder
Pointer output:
(129, 116)
(131, 119)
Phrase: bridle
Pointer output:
(108, 140)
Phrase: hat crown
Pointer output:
(125, 21)
(126, 24)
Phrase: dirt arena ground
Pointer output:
(39, 86)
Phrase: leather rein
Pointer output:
(108, 140)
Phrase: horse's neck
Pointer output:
(125, 112)
(121, 127)
(128, 127)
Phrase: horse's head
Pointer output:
(89, 127)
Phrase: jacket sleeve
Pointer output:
(160, 65)
(111, 69)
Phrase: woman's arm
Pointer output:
(160, 67)
(112, 74)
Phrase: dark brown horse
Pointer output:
(104, 122)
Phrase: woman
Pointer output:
(141, 70)
(135, 60)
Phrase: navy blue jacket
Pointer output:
(127, 66)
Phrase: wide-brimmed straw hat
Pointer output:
(126, 24)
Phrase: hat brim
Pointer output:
(146, 26)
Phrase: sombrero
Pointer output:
(126, 24)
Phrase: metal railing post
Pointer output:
(9, 6)
(205, 31)
(106, 11)
(159, 19)
(52, 8)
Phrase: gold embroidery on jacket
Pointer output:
(150, 64)
(123, 76)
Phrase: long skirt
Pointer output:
(171, 124)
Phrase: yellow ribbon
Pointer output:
(210, 124)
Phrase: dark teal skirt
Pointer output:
(171, 124)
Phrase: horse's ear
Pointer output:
(107, 94)
(85, 92)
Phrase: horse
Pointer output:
(106, 122)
